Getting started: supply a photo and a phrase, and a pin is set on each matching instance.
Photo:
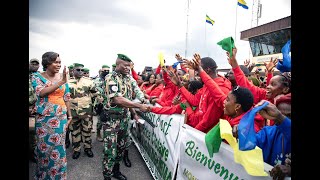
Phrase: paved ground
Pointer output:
(86, 168)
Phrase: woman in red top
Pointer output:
(278, 86)
(235, 104)
(148, 84)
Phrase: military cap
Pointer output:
(124, 57)
(71, 66)
(105, 66)
(114, 65)
(77, 65)
(86, 70)
(34, 60)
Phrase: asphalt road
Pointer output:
(85, 168)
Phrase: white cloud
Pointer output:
(148, 28)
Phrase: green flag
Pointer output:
(227, 44)
(213, 140)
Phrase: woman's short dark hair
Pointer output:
(286, 80)
(244, 97)
(194, 85)
(48, 58)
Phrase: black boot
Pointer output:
(116, 172)
(67, 139)
(126, 159)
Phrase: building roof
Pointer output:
(273, 26)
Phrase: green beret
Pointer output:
(71, 66)
(86, 70)
(77, 65)
(114, 65)
(124, 57)
(105, 66)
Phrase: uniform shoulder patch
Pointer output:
(114, 88)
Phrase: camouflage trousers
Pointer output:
(81, 131)
(129, 141)
(115, 136)
(99, 124)
(32, 136)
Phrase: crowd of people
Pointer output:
(61, 104)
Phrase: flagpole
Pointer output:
(235, 28)
(185, 53)
(205, 36)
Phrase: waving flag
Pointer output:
(251, 160)
(243, 4)
(285, 64)
(208, 20)
(246, 133)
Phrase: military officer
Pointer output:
(116, 115)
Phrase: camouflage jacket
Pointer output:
(100, 85)
(32, 94)
(118, 85)
(81, 92)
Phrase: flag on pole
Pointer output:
(243, 4)
(208, 20)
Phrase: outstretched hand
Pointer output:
(272, 63)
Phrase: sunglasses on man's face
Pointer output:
(80, 70)
(85, 73)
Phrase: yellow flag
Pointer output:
(161, 59)
(251, 160)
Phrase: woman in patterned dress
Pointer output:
(52, 116)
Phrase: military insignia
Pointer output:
(114, 88)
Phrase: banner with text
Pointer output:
(195, 162)
(157, 141)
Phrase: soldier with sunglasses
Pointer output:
(82, 89)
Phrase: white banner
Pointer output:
(157, 141)
(195, 162)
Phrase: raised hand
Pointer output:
(233, 60)
(178, 57)
(197, 62)
(64, 77)
(247, 63)
(271, 64)
(174, 78)
(187, 63)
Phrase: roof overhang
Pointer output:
(273, 26)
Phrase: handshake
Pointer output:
(145, 108)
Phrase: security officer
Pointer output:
(67, 141)
(86, 72)
(81, 89)
(99, 84)
(116, 115)
(113, 67)
(33, 68)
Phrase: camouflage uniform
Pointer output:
(115, 134)
(32, 132)
(81, 111)
(99, 84)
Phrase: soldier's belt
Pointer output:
(116, 116)
(80, 95)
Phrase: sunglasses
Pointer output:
(105, 71)
(80, 70)
(85, 73)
